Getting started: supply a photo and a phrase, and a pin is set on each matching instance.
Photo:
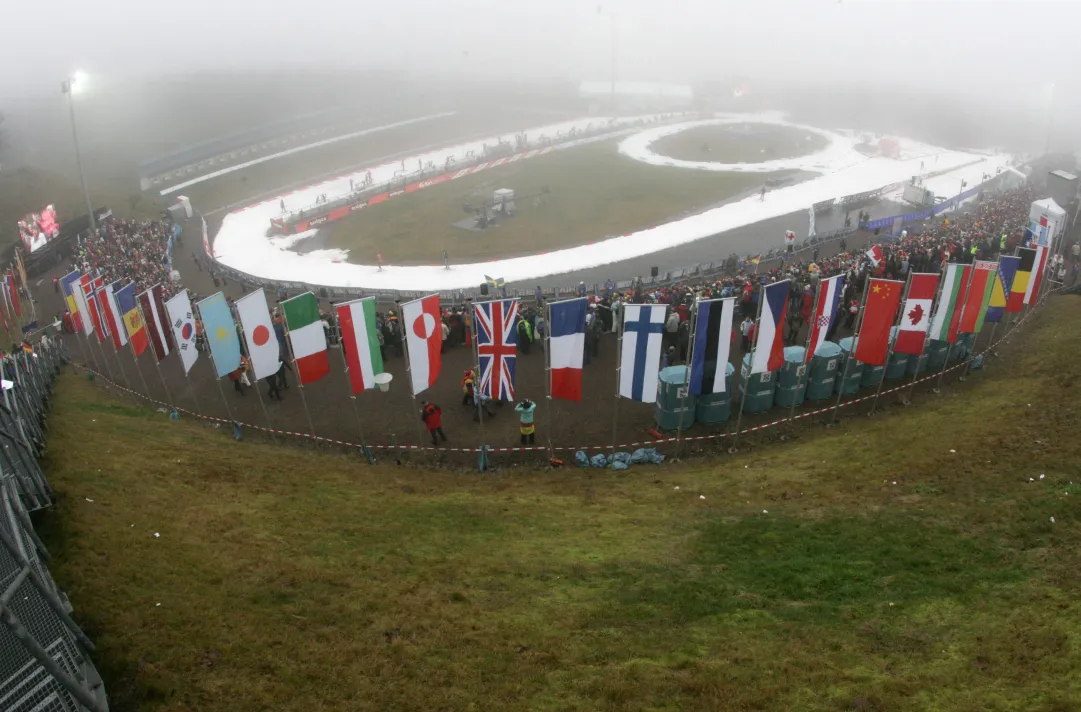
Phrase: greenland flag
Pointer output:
(423, 329)
(875, 255)
(567, 333)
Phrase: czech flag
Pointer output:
(769, 342)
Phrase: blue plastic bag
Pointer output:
(619, 465)
(598, 461)
(581, 459)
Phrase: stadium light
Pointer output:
(77, 84)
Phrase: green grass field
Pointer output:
(594, 192)
(905, 562)
(732, 144)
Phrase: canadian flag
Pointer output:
(875, 255)
(423, 327)
(916, 314)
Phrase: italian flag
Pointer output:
(361, 342)
(307, 337)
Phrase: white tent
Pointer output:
(1056, 220)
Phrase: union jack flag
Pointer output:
(497, 345)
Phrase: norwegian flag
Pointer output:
(497, 344)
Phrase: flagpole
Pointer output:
(548, 375)
(750, 365)
(852, 352)
(477, 388)
(687, 379)
(409, 377)
(907, 399)
(946, 363)
(214, 365)
(353, 398)
(890, 345)
(619, 368)
(300, 381)
(807, 355)
(262, 404)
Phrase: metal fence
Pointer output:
(44, 656)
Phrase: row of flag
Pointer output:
(970, 296)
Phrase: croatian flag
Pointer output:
(875, 254)
(567, 343)
(769, 342)
(643, 331)
(829, 299)
(497, 346)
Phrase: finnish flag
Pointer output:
(639, 364)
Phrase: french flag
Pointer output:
(769, 343)
(567, 343)
(829, 299)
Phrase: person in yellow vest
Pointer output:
(1002, 243)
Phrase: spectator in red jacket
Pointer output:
(432, 415)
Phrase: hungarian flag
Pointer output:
(916, 314)
(156, 319)
(307, 337)
(879, 311)
(422, 326)
(360, 339)
(979, 294)
(1007, 270)
(875, 255)
(1022, 280)
(948, 314)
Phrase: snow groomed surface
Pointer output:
(242, 243)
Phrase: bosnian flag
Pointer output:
(916, 314)
(829, 299)
(423, 329)
(640, 360)
(768, 354)
(567, 342)
(307, 337)
(875, 255)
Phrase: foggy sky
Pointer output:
(1013, 43)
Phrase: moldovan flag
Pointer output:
(829, 300)
(360, 340)
(979, 294)
(769, 339)
(67, 283)
(875, 255)
(220, 333)
(423, 329)
(1007, 270)
(113, 316)
(263, 349)
(1022, 280)
(948, 314)
(182, 323)
(879, 312)
(133, 318)
(916, 315)
(640, 355)
(567, 343)
(712, 345)
(307, 337)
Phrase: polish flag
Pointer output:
(423, 329)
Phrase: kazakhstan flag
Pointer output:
(220, 333)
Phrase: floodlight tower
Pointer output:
(76, 83)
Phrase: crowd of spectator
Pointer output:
(129, 250)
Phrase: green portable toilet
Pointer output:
(898, 363)
(791, 378)
(849, 369)
(824, 371)
(917, 364)
(966, 344)
(757, 389)
(936, 354)
(716, 407)
(674, 401)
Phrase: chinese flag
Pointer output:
(879, 313)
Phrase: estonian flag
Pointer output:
(712, 345)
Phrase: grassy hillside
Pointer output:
(906, 562)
